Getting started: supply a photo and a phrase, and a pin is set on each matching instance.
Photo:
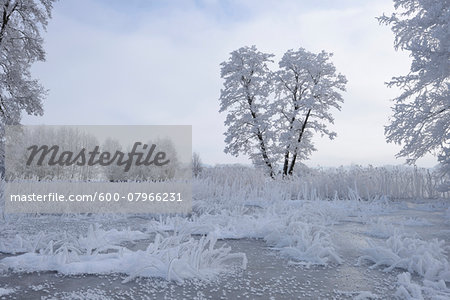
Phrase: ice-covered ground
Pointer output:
(339, 249)
(242, 240)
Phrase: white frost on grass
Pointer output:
(96, 238)
(430, 206)
(360, 295)
(382, 229)
(447, 215)
(409, 290)
(365, 295)
(303, 242)
(412, 221)
(299, 230)
(426, 258)
(6, 291)
(174, 257)
(18, 244)
(89, 294)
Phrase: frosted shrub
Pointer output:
(426, 258)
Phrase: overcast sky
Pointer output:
(157, 62)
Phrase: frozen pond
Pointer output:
(268, 275)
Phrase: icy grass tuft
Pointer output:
(5, 291)
(96, 238)
(365, 295)
(303, 242)
(412, 221)
(426, 258)
(382, 229)
(173, 257)
(297, 229)
(409, 290)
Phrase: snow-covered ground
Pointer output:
(259, 240)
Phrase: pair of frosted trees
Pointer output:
(272, 115)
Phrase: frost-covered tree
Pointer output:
(307, 88)
(170, 170)
(245, 95)
(153, 172)
(66, 138)
(21, 24)
(113, 172)
(197, 166)
(444, 170)
(421, 114)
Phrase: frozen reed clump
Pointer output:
(174, 257)
(425, 258)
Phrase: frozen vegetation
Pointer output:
(306, 223)
(426, 258)
(173, 257)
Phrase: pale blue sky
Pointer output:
(157, 62)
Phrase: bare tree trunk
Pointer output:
(286, 163)
(294, 157)
(291, 125)
(262, 145)
(291, 122)
(286, 153)
(264, 154)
